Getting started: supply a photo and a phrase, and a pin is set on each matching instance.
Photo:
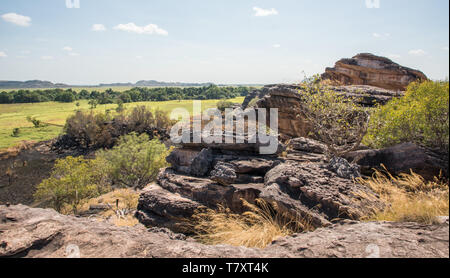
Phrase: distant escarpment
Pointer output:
(369, 69)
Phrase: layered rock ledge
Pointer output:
(369, 69)
(40, 233)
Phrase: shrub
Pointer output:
(409, 198)
(72, 182)
(89, 130)
(97, 130)
(135, 161)
(120, 107)
(253, 102)
(15, 132)
(224, 104)
(93, 104)
(336, 120)
(36, 123)
(258, 227)
(421, 116)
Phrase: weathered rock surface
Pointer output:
(368, 69)
(301, 185)
(343, 168)
(38, 233)
(178, 196)
(402, 158)
(311, 191)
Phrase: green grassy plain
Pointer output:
(55, 113)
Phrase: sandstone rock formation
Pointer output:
(228, 177)
(368, 69)
(302, 185)
(402, 158)
(288, 100)
(39, 233)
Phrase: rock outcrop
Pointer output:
(301, 185)
(288, 100)
(313, 192)
(227, 177)
(39, 233)
(402, 158)
(368, 69)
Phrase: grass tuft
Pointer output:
(257, 228)
(409, 197)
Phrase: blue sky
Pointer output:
(221, 41)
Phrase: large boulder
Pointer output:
(38, 233)
(402, 158)
(368, 69)
(312, 191)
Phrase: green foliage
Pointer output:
(15, 132)
(72, 182)
(93, 104)
(421, 116)
(120, 108)
(224, 104)
(336, 120)
(253, 102)
(135, 161)
(36, 123)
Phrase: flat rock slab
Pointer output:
(40, 233)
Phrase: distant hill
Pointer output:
(38, 84)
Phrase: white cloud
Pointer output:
(148, 30)
(17, 19)
(417, 52)
(3, 54)
(263, 12)
(47, 57)
(276, 45)
(445, 48)
(98, 28)
(74, 54)
(381, 36)
(67, 48)
(139, 57)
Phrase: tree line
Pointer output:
(132, 95)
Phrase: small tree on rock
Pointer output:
(336, 120)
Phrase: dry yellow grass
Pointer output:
(409, 197)
(128, 201)
(256, 228)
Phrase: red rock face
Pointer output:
(368, 69)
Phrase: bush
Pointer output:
(15, 132)
(72, 182)
(36, 123)
(224, 104)
(135, 161)
(89, 130)
(336, 120)
(93, 131)
(421, 116)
